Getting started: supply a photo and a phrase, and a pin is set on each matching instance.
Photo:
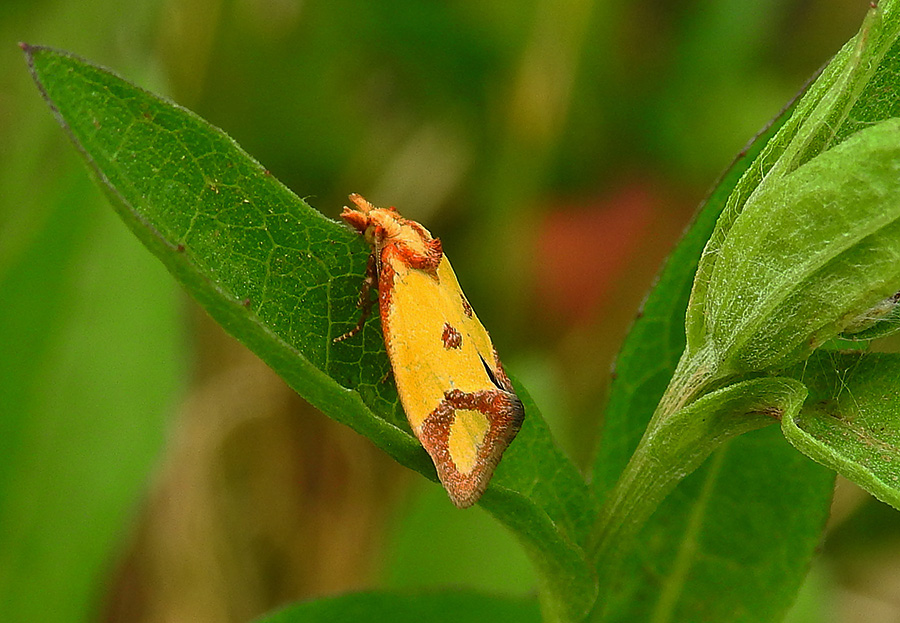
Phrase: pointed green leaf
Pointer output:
(711, 532)
(267, 266)
(851, 423)
(656, 341)
(284, 280)
(708, 533)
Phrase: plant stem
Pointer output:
(683, 432)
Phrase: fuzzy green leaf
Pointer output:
(284, 280)
(847, 96)
(808, 254)
(851, 423)
(880, 320)
(656, 340)
(705, 544)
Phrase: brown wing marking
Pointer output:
(504, 412)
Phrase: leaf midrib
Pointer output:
(676, 580)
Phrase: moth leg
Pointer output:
(364, 303)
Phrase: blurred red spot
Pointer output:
(583, 250)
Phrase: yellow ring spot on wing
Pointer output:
(467, 433)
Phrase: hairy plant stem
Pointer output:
(669, 450)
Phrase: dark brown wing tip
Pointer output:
(466, 491)
(468, 500)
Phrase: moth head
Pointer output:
(385, 228)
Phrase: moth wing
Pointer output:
(414, 326)
(456, 396)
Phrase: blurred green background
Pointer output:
(151, 469)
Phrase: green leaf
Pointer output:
(846, 97)
(808, 254)
(709, 545)
(676, 447)
(85, 389)
(696, 542)
(851, 423)
(656, 341)
(284, 280)
(438, 607)
(708, 533)
(733, 542)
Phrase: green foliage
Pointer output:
(83, 417)
(693, 511)
(744, 319)
(681, 442)
(810, 252)
(284, 280)
(447, 606)
(851, 422)
(714, 533)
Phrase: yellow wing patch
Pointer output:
(457, 398)
(467, 434)
(414, 321)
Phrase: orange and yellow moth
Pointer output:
(457, 398)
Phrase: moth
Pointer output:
(458, 400)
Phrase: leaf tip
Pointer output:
(28, 51)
